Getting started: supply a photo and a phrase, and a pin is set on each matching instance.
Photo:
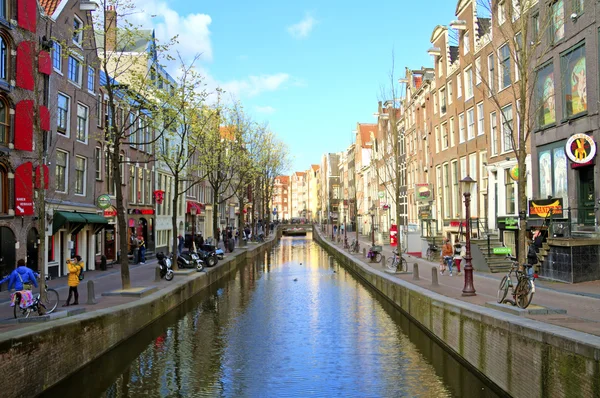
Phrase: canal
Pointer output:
(288, 324)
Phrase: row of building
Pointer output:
(50, 59)
(460, 118)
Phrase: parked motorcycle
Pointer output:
(213, 249)
(188, 259)
(208, 257)
(164, 263)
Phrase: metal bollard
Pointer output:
(91, 293)
(416, 272)
(434, 276)
(157, 274)
(364, 252)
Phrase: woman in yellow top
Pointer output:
(75, 267)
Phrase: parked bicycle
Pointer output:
(432, 252)
(397, 263)
(346, 244)
(46, 306)
(354, 246)
(524, 288)
(374, 254)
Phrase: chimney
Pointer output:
(110, 28)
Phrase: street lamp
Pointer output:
(466, 185)
(372, 214)
(193, 211)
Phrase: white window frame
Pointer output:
(84, 185)
(79, 73)
(480, 119)
(87, 123)
(491, 65)
(494, 133)
(67, 131)
(469, 91)
(449, 92)
(461, 128)
(451, 132)
(57, 52)
(501, 82)
(92, 80)
(444, 141)
(98, 158)
(78, 36)
(510, 130)
(466, 43)
(437, 139)
(478, 71)
(458, 85)
(501, 13)
(470, 123)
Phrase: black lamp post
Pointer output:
(466, 184)
(193, 211)
(372, 214)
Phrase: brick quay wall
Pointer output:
(523, 357)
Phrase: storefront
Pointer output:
(194, 221)
(140, 222)
(508, 227)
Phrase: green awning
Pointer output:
(75, 220)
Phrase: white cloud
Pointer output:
(255, 85)
(303, 28)
(265, 109)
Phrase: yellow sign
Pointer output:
(514, 173)
(580, 148)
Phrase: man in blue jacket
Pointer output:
(21, 275)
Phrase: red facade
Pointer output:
(24, 190)
(25, 53)
(24, 125)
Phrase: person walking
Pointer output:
(447, 252)
(134, 248)
(75, 267)
(180, 243)
(459, 254)
(142, 244)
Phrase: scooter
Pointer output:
(208, 257)
(189, 259)
(164, 263)
(212, 249)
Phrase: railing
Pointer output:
(580, 222)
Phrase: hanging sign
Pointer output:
(103, 201)
(542, 208)
(514, 173)
(580, 148)
(423, 193)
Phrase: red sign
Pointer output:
(147, 211)
(394, 235)
(458, 224)
(159, 196)
(24, 190)
(112, 212)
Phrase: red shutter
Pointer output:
(25, 65)
(27, 14)
(24, 125)
(44, 118)
(44, 63)
(38, 176)
(24, 190)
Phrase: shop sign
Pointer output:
(112, 212)
(145, 212)
(425, 215)
(103, 201)
(581, 149)
(457, 224)
(509, 222)
(514, 173)
(542, 208)
(423, 193)
(502, 250)
(381, 194)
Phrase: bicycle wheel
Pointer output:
(390, 264)
(19, 312)
(429, 254)
(51, 301)
(377, 257)
(524, 293)
(402, 265)
(502, 290)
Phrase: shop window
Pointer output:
(553, 172)
(574, 81)
(545, 101)
(51, 248)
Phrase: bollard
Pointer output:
(364, 252)
(91, 293)
(157, 274)
(416, 272)
(434, 276)
(383, 260)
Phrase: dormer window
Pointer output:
(466, 43)
(77, 31)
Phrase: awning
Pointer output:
(76, 221)
(194, 205)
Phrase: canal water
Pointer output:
(287, 325)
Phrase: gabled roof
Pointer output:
(50, 6)
(284, 179)
(315, 167)
(366, 130)
(300, 173)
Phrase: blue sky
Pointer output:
(312, 69)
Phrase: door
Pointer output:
(109, 242)
(32, 249)
(7, 251)
(587, 197)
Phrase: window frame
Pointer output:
(461, 128)
(504, 124)
(86, 121)
(65, 172)
(91, 79)
(493, 133)
(79, 76)
(5, 57)
(470, 123)
(480, 119)
(83, 176)
(77, 32)
(5, 123)
(57, 57)
(491, 60)
(66, 131)
(98, 157)
(504, 67)
(469, 87)
(564, 66)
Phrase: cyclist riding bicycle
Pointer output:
(21, 278)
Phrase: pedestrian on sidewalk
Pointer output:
(75, 265)
(447, 252)
(459, 254)
(180, 243)
(142, 249)
(134, 248)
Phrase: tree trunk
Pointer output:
(121, 218)
(522, 204)
(215, 208)
(174, 222)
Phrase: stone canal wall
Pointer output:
(39, 356)
(523, 357)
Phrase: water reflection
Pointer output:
(288, 325)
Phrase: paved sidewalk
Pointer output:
(582, 301)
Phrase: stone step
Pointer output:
(499, 268)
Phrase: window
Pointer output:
(3, 9)
(75, 70)
(449, 93)
(4, 189)
(82, 122)
(501, 13)
(518, 52)
(535, 27)
(577, 6)
(471, 124)
(461, 128)
(63, 114)
(122, 168)
(442, 101)
(57, 56)
(491, 75)
(468, 83)
(132, 184)
(553, 172)
(110, 181)
(573, 70)
(80, 164)
(99, 111)
(509, 188)
(493, 133)
(466, 43)
(4, 58)
(516, 10)
(4, 121)
(478, 71)
(556, 28)
(473, 173)
(483, 174)
(480, 119)
(446, 194)
(444, 131)
(435, 102)
(437, 139)
(98, 155)
(544, 94)
(507, 128)
(62, 161)
(463, 167)
(455, 191)
(504, 56)
(140, 185)
(77, 31)
(91, 77)
(458, 85)
(452, 139)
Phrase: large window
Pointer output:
(509, 192)
(62, 162)
(444, 131)
(504, 55)
(574, 81)
(461, 128)
(74, 70)
(80, 166)
(556, 28)
(451, 132)
(455, 191)
(491, 75)
(493, 133)
(507, 128)
(480, 119)
(57, 56)
(91, 77)
(471, 123)
(4, 57)
(4, 121)
(545, 101)
(458, 85)
(63, 114)
(446, 193)
(553, 172)
(77, 31)
(82, 123)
